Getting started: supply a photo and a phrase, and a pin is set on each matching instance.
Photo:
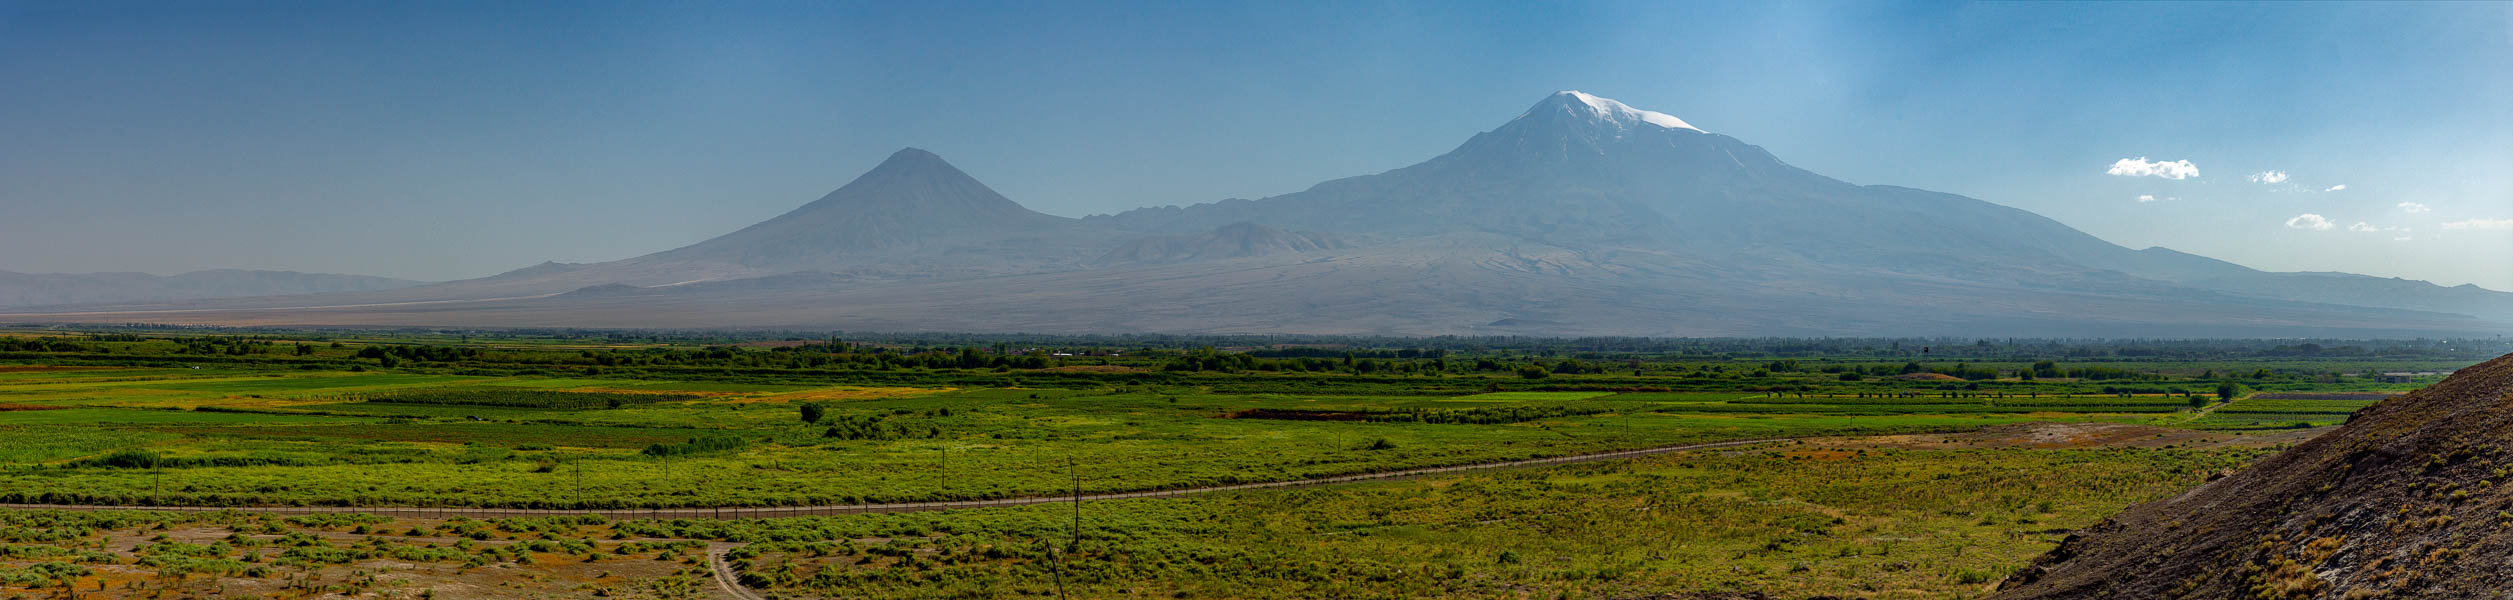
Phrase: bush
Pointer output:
(126, 459)
(713, 443)
(877, 427)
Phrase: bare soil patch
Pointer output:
(2072, 435)
(1928, 377)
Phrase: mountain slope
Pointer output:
(1579, 171)
(1569, 172)
(1582, 216)
(1461, 284)
(914, 198)
(2401, 502)
(24, 289)
(1236, 240)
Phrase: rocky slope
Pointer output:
(2407, 500)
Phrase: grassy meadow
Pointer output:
(559, 422)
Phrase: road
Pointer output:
(762, 512)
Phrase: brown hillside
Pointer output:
(2404, 501)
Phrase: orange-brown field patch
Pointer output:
(609, 390)
(1928, 377)
(1094, 369)
(2066, 435)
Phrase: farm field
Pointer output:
(1894, 477)
(2290, 409)
(1829, 516)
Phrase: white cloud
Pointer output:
(2413, 207)
(2336, 188)
(2141, 167)
(2269, 177)
(2480, 224)
(2310, 221)
(2145, 198)
(2363, 227)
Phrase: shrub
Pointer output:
(713, 443)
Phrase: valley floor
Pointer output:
(538, 468)
(1903, 516)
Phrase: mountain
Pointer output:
(1592, 174)
(24, 289)
(1582, 216)
(1236, 240)
(914, 201)
(2400, 502)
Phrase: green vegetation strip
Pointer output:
(757, 512)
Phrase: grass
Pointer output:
(1792, 520)
(299, 436)
(1879, 524)
(550, 422)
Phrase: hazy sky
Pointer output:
(439, 140)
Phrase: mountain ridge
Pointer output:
(1677, 231)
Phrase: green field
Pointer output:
(306, 420)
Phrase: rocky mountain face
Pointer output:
(1583, 216)
(1236, 240)
(2404, 501)
(24, 289)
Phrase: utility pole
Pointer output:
(1076, 468)
(580, 482)
(1056, 565)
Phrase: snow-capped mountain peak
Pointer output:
(1619, 113)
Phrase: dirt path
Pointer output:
(751, 512)
(723, 571)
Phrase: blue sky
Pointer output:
(441, 140)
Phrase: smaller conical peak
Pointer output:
(1606, 109)
(911, 156)
(909, 164)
